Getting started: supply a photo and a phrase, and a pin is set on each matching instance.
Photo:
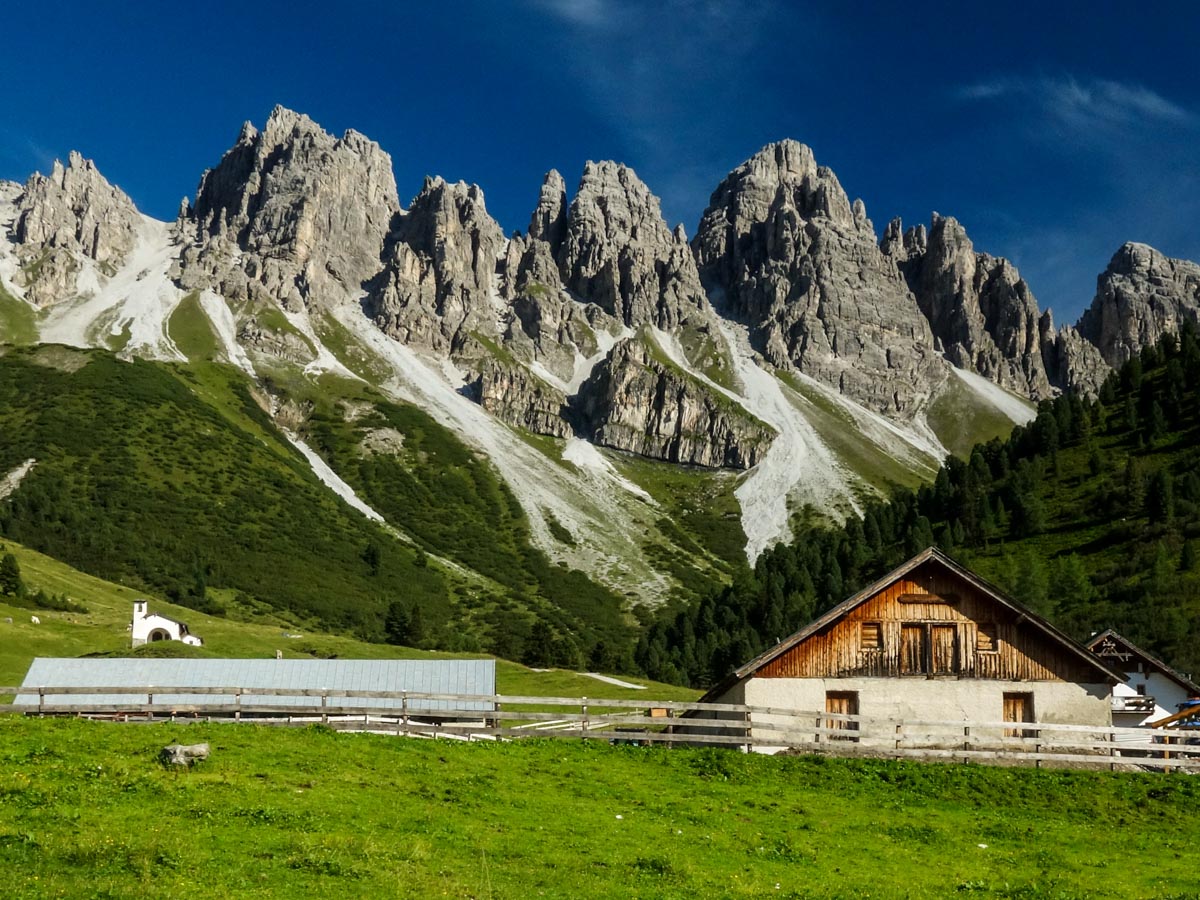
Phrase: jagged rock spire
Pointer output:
(788, 253)
(72, 211)
(307, 213)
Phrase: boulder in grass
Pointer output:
(183, 754)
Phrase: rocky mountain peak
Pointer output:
(786, 173)
(549, 221)
(306, 212)
(450, 224)
(71, 214)
(980, 309)
(1141, 295)
(786, 251)
(619, 253)
(437, 284)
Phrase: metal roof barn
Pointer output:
(425, 676)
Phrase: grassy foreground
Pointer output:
(85, 811)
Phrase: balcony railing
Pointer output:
(1133, 704)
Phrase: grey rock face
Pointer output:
(514, 395)
(286, 345)
(791, 256)
(1073, 364)
(438, 284)
(637, 403)
(291, 214)
(1139, 297)
(978, 306)
(618, 252)
(549, 220)
(71, 213)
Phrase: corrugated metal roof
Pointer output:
(428, 676)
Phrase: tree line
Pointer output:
(1088, 515)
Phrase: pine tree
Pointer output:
(11, 584)
(1069, 583)
(397, 624)
(1031, 583)
(1160, 499)
(1187, 557)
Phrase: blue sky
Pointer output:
(1054, 135)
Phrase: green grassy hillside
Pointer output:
(86, 811)
(243, 632)
(171, 478)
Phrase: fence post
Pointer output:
(1112, 750)
(583, 722)
(404, 710)
(237, 702)
(966, 742)
(817, 734)
(899, 735)
(324, 707)
(41, 702)
(747, 730)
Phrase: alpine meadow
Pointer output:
(569, 484)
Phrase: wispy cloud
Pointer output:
(1117, 156)
(1081, 104)
(20, 155)
(586, 13)
(666, 77)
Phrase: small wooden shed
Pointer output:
(930, 641)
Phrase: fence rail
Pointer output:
(514, 717)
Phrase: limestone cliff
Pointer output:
(291, 214)
(638, 401)
(65, 217)
(618, 252)
(438, 283)
(979, 308)
(786, 251)
(1139, 297)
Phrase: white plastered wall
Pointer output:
(930, 700)
(1167, 696)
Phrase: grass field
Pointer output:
(85, 811)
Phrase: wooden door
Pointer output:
(1018, 708)
(912, 650)
(944, 647)
(843, 703)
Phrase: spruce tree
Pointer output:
(11, 584)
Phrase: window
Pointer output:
(985, 637)
(872, 636)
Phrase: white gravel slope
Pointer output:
(139, 298)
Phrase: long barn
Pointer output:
(930, 641)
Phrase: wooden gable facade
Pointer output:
(931, 622)
(929, 618)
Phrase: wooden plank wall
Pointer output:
(947, 624)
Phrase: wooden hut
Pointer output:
(933, 642)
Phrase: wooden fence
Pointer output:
(748, 728)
